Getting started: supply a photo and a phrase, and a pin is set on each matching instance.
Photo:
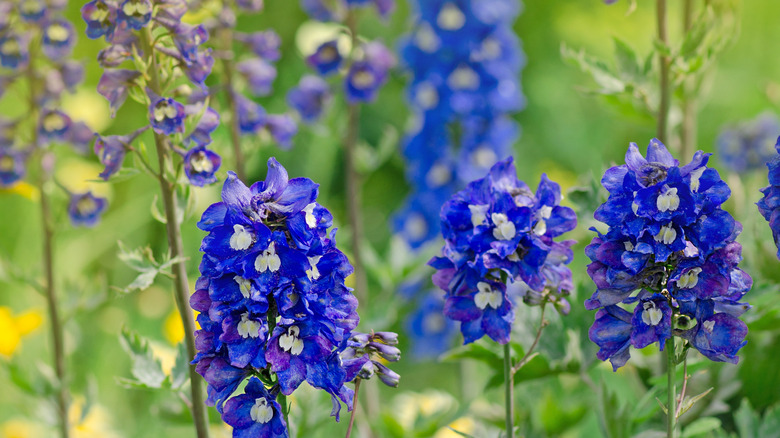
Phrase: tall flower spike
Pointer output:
(494, 229)
(670, 252)
(269, 254)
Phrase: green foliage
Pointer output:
(142, 260)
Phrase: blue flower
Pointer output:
(111, 151)
(255, 413)
(54, 125)
(207, 124)
(114, 85)
(282, 128)
(769, 205)
(749, 145)
(669, 240)
(326, 59)
(264, 44)
(200, 165)
(12, 168)
(366, 76)
(251, 116)
(13, 51)
(85, 209)
(32, 10)
(309, 97)
(165, 114)
(100, 17)
(58, 38)
(259, 74)
(135, 13)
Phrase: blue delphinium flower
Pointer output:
(494, 229)
(111, 151)
(368, 74)
(670, 251)
(769, 205)
(326, 59)
(136, 14)
(12, 168)
(58, 38)
(100, 16)
(268, 252)
(259, 74)
(54, 125)
(13, 51)
(115, 84)
(749, 145)
(430, 333)
(200, 165)
(465, 63)
(365, 353)
(309, 97)
(165, 114)
(85, 209)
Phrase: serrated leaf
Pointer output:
(690, 401)
(607, 81)
(139, 259)
(701, 426)
(627, 60)
(181, 369)
(141, 282)
(145, 367)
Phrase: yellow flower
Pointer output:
(463, 424)
(173, 328)
(19, 428)
(12, 328)
(24, 189)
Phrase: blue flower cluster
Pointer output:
(749, 145)
(465, 62)
(367, 66)
(670, 252)
(256, 72)
(124, 25)
(269, 253)
(769, 205)
(498, 229)
(23, 23)
(363, 358)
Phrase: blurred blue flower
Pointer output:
(749, 145)
(309, 97)
(12, 168)
(136, 14)
(85, 209)
(326, 59)
(769, 204)
(58, 38)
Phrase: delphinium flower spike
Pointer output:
(273, 305)
(160, 61)
(247, 70)
(769, 204)
(497, 231)
(749, 145)
(35, 44)
(667, 266)
(366, 69)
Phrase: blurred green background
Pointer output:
(571, 135)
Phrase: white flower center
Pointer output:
(200, 163)
(667, 234)
(484, 157)
(478, 214)
(450, 17)
(247, 327)
(6, 163)
(57, 32)
(241, 238)
(426, 97)
(689, 279)
(709, 325)
(651, 315)
(261, 412)
(628, 245)
(313, 273)
(505, 230)
(463, 78)
(164, 111)
(668, 201)
(426, 38)
(136, 8)
(487, 296)
(244, 285)
(268, 260)
(291, 342)
(100, 13)
(433, 323)
(311, 220)
(363, 79)
(53, 122)
(695, 176)
(415, 226)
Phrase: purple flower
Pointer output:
(200, 165)
(58, 38)
(72, 73)
(100, 17)
(111, 151)
(208, 122)
(259, 74)
(749, 145)
(53, 125)
(80, 136)
(365, 77)
(114, 85)
(769, 204)
(114, 55)
(282, 128)
(85, 209)
(165, 114)
(12, 167)
(255, 413)
(264, 44)
(32, 10)
(135, 13)
(309, 97)
(326, 59)
(13, 51)
(251, 116)
(250, 5)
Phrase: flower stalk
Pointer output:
(509, 403)
(228, 70)
(665, 87)
(176, 248)
(354, 408)
(671, 407)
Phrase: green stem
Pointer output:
(689, 106)
(176, 249)
(354, 408)
(508, 391)
(671, 408)
(47, 223)
(228, 70)
(665, 89)
(528, 354)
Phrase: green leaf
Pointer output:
(181, 369)
(701, 426)
(627, 61)
(141, 282)
(607, 81)
(23, 382)
(614, 419)
(156, 213)
(690, 401)
(747, 420)
(123, 174)
(460, 433)
(145, 367)
(477, 352)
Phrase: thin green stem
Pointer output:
(677, 412)
(671, 398)
(228, 70)
(665, 88)
(689, 105)
(354, 408)
(176, 249)
(47, 222)
(529, 354)
(509, 398)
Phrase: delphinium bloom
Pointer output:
(269, 253)
(247, 70)
(769, 205)
(363, 358)
(750, 144)
(668, 264)
(465, 63)
(178, 113)
(495, 230)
